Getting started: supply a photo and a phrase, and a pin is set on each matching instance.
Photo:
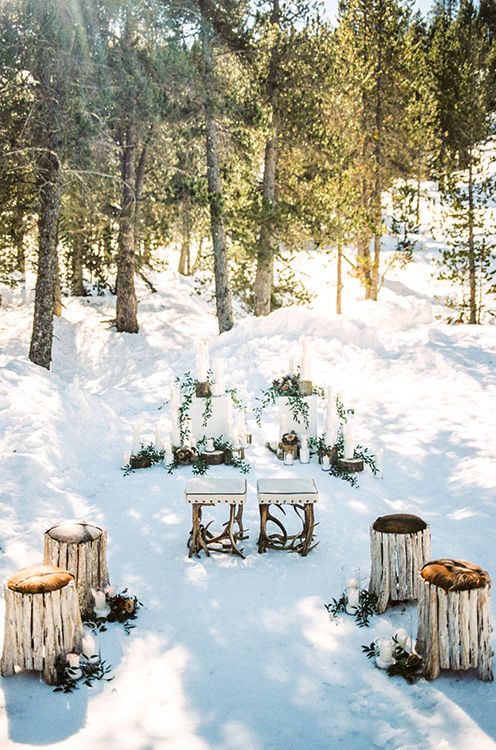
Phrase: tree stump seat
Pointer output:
(204, 491)
(454, 628)
(81, 548)
(301, 494)
(42, 620)
(400, 544)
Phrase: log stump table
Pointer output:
(42, 620)
(301, 494)
(81, 548)
(400, 544)
(454, 627)
(202, 491)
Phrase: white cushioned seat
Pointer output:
(213, 490)
(283, 491)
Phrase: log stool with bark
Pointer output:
(81, 548)
(400, 544)
(454, 626)
(42, 620)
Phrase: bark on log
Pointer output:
(40, 627)
(350, 465)
(80, 548)
(213, 458)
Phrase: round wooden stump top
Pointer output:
(39, 579)
(399, 523)
(455, 575)
(75, 532)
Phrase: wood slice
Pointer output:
(140, 462)
(350, 465)
(213, 458)
(306, 387)
(202, 390)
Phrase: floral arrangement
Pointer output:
(118, 606)
(405, 662)
(288, 386)
(193, 457)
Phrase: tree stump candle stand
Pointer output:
(350, 465)
(202, 390)
(81, 548)
(213, 458)
(203, 491)
(301, 494)
(400, 544)
(454, 627)
(42, 620)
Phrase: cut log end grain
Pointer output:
(39, 579)
(455, 575)
(75, 532)
(399, 523)
(350, 465)
(213, 458)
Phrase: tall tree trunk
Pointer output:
(184, 267)
(40, 351)
(264, 279)
(57, 302)
(126, 309)
(364, 264)
(223, 294)
(77, 285)
(339, 278)
(471, 247)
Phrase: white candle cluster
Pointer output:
(202, 361)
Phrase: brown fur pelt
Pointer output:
(289, 438)
(455, 575)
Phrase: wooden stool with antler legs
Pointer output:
(299, 493)
(202, 491)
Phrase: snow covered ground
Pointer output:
(232, 653)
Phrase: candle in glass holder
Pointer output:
(288, 459)
(89, 649)
(326, 463)
(210, 445)
(73, 661)
(386, 651)
(304, 454)
(348, 439)
(99, 598)
(352, 600)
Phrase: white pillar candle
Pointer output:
(306, 373)
(386, 651)
(157, 440)
(201, 361)
(218, 365)
(210, 445)
(401, 637)
(304, 441)
(329, 438)
(99, 599)
(330, 421)
(304, 455)
(241, 423)
(175, 396)
(73, 660)
(175, 431)
(136, 441)
(326, 463)
(353, 600)
(331, 403)
(89, 648)
(348, 438)
(288, 459)
(126, 457)
(291, 366)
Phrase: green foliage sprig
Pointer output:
(287, 386)
(367, 605)
(200, 467)
(147, 456)
(69, 680)
(123, 609)
(407, 665)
